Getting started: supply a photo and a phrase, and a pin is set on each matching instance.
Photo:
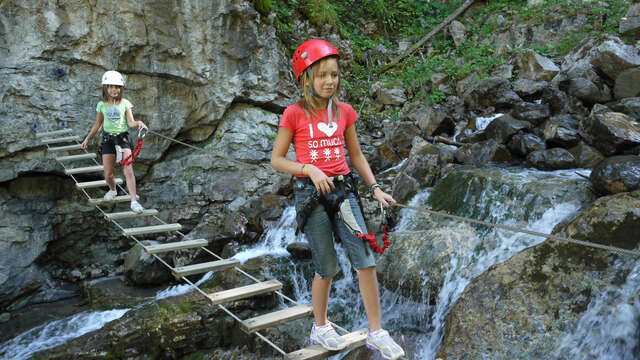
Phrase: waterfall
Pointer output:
(610, 328)
(56, 333)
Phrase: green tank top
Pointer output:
(115, 120)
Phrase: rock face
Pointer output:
(203, 72)
(522, 307)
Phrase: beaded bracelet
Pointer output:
(373, 187)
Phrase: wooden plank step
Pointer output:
(130, 214)
(204, 267)
(314, 352)
(187, 244)
(245, 291)
(94, 184)
(275, 318)
(151, 229)
(121, 198)
(60, 140)
(84, 170)
(53, 133)
(77, 157)
(66, 147)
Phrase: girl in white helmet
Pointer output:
(320, 127)
(114, 115)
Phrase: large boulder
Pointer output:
(422, 168)
(536, 67)
(627, 84)
(523, 307)
(143, 269)
(585, 155)
(551, 159)
(492, 91)
(608, 131)
(504, 127)
(561, 130)
(616, 174)
(481, 153)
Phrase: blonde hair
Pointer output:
(309, 102)
(105, 93)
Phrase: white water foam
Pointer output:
(56, 333)
(276, 239)
(181, 289)
(609, 329)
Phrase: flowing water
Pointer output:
(608, 329)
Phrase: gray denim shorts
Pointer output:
(319, 234)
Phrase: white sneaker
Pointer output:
(111, 194)
(327, 337)
(136, 207)
(381, 341)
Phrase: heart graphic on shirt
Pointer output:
(328, 129)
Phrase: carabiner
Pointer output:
(142, 132)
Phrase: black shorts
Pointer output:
(109, 142)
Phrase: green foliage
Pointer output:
(263, 6)
(320, 12)
(437, 97)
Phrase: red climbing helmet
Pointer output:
(309, 52)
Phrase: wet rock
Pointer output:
(562, 131)
(299, 250)
(504, 127)
(412, 255)
(399, 135)
(528, 87)
(421, 169)
(521, 307)
(585, 155)
(588, 90)
(608, 131)
(523, 144)
(531, 112)
(115, 293)
(629, 106)
(5, 317)
(627, 84)
(536, 67)
(559, 101)
(481, 153)
(616, 174)
(434, 120)
(143, 269)
(491, 91)
(551, 159)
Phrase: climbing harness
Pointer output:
(337, 202)
(135, 151)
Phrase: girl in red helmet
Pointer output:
(320, 126)
(114, 115)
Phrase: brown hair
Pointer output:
(309, 102)
(106, 97)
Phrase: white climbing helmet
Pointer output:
(112, 78)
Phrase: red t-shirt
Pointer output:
(315, 142)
